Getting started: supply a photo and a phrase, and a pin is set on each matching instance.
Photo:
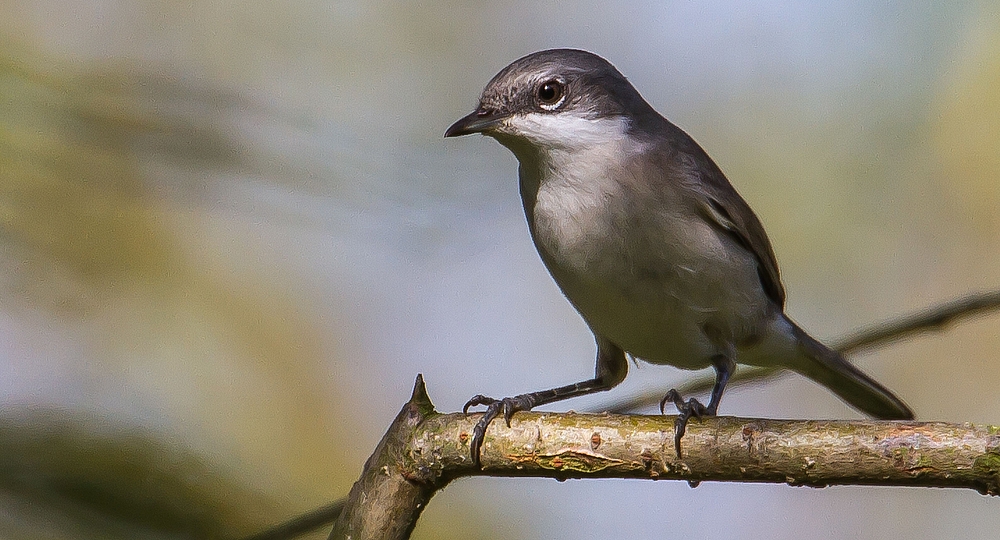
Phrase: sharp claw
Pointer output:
(680, 427)
(479, 432)
(508, 410)
(672, 396)
(686, 410)
(478, 399)
(695, 408)
(508, 405)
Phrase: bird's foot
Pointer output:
(509, 406)
(687, 409)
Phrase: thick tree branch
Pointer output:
(933, 318)
(423, 450)
(388, 498)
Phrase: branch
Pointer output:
(881, 334)
(388, 498)
(877, 335)
(424, 450)
(303, 523)
(935, 318)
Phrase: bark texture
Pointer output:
(424, 450)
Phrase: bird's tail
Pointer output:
(829, 368)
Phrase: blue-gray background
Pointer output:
(237, 225)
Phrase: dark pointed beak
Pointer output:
(477, 122)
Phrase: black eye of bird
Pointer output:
(550, 92)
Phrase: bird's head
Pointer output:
(558, 98)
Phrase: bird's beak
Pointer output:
(477, 122)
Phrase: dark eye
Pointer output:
(550, 92)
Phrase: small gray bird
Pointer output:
(646, 238)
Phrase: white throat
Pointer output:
(566, 130)
(565, 167)
(564, 147)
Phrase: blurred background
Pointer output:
(231, 234)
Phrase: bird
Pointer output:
(647, 239)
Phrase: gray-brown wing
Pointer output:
(724, 207)
(743, 226)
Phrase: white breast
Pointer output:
(573, 189)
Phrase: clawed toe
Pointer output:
(509, 406)
(478, 399)
(686, 410)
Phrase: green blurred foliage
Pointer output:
(70, 475)
(967, 128)
(73, 204)
(90, 234)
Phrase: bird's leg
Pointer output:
(724, 368)
(611, 370)
(522, 402)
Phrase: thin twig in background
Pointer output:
(877, 335)
(936, 318)
(303, 523)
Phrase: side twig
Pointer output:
(936, 318)
(389, 497)
(877, 335)
(303, 523)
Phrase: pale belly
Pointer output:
(653, 327)
(679, 297)
(643, 268)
